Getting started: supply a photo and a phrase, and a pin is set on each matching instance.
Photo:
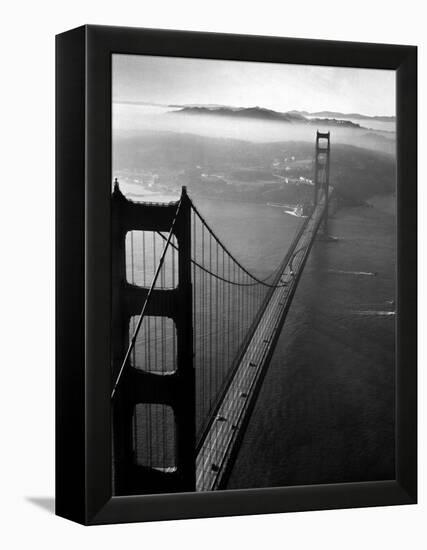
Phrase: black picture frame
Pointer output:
(83, 279)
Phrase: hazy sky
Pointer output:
(167, 80)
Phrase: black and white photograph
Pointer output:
(254, 260)
(212, 277)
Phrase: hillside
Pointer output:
(260, 113)
(240, 170)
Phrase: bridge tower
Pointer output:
(175, 390)
(321, 173)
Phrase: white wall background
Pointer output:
(27, 270)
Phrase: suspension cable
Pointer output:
(209, 272)
(259, 281)
(238, 283)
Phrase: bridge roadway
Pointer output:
(215, 456)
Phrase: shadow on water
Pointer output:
(46, 503)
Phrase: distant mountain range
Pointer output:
(243, 112)
(337, 114)
(261, 113)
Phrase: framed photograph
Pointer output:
(236, 274)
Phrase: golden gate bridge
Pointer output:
(193, 335)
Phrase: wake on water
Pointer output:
(360, 273)
(371, 313)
